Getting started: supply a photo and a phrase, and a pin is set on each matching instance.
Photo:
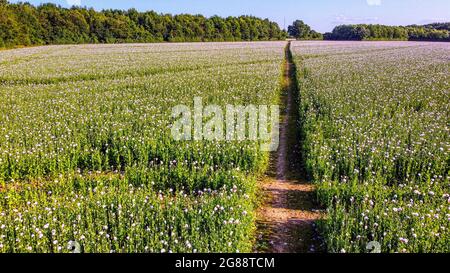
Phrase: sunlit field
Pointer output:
(375, 123)
(88, 159)
(86, 153)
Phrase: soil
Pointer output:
(288, 217)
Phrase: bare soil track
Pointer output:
(287, 217)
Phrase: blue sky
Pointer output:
(322, 15)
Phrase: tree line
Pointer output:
(23, 24)
(431, 32)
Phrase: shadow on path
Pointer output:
(288, 217)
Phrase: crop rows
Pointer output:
(86, 153)
(375, 124)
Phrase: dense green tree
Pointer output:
(438, 26)
(235, 28)
(25, 24)
(350, 32)
(245, 29)
(8, 27)
(299, 30)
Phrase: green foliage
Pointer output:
(24, 24)
(432, 32)
(428, 34)
(350, 32)
(302, 31)
(438, 26)
(87, 153)
(376, 142)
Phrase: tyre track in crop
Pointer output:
(288, 216)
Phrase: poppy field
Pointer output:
(87, 155)
(88, 161)
(374, 118)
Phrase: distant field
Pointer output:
(375, 120)
(86, 153)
